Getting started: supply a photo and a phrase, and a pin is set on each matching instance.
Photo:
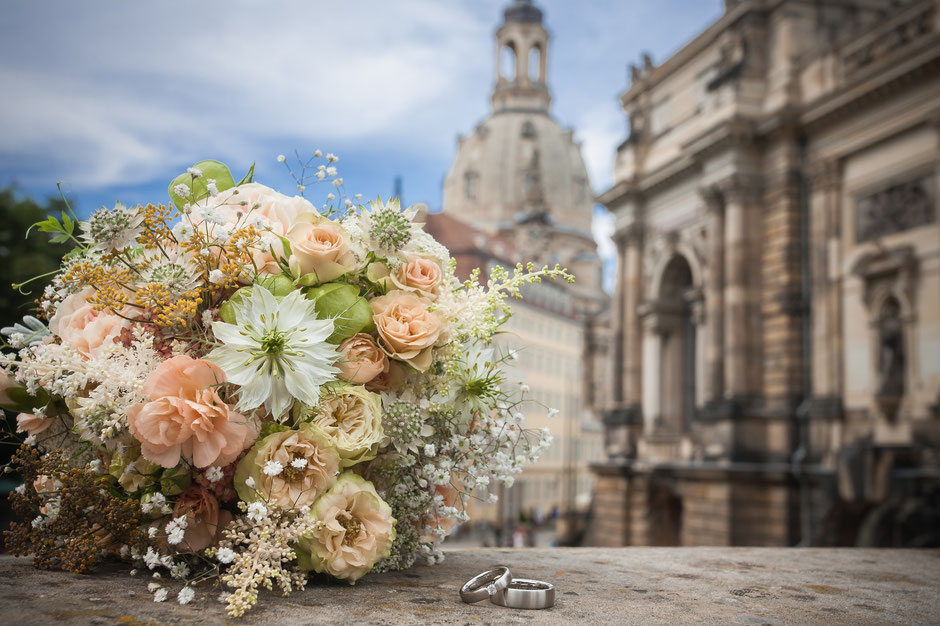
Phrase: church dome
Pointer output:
(515, 164)
(519, 165)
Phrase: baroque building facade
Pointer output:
(518, 191)
(776, 321)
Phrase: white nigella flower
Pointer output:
(275, 351)
(112, 229)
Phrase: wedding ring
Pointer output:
(523, 593)
(485, 585)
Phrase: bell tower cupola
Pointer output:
(521, 60)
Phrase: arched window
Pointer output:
(528, 129)
(471, 179)
(507, 62)
(535, 64)
(677, 376)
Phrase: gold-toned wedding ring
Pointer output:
(523, 593)
(485, 585)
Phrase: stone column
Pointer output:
(714, 296)
(633, 287)
(736, 289)
(825, 299)
(617, 313)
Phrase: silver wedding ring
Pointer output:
(486, 585)
(523, 593)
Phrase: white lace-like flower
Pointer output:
(276, 351)
(273, 468)
(257, 511)
(171, 267)
(214, 474)
(225, 555)
(186, 595)
(112, 229)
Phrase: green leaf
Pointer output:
(247, 178)
(68, 223)
(211, 170)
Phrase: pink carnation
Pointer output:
(186, 417)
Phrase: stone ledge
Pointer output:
(594, 585)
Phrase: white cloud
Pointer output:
(117, 90)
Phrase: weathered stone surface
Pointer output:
(594, 585)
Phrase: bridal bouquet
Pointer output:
(238, 388)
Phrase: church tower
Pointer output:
(520, 174)
(521, 60)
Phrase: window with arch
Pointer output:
(528, 130)
(471, 182)
(677, 373)
(535, 63)
(507, 61)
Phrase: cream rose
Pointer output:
(407, 330)
(89, 331)
(320, 249)
(352, 418)
(361, 359)
(355, 530)
(420, 274)
(309, 464)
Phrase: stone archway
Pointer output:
(677, 346)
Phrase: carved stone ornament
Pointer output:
(898, 208)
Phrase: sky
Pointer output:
(113, 99)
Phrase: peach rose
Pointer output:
(205, 521)
(319, 247)
(407, 329)
(186, 417)
(361, 359)
(32, 425)
(420, 274)
(89, 331)
(253, 203)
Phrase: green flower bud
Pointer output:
(342, 303)
(227, 310)
(279, 285)
(211, 170)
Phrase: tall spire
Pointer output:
(521, 60)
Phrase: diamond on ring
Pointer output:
(491, 589)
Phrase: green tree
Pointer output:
(22, 257)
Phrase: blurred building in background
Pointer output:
(518, 191)
(776, 351)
